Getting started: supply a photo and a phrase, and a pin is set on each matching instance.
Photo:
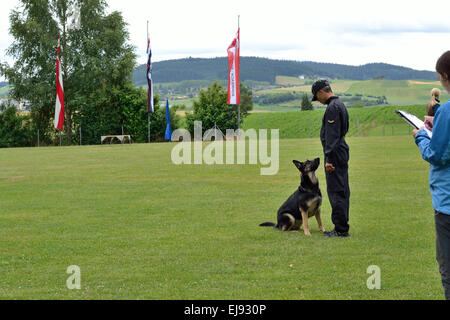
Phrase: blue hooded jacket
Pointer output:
(436, 151)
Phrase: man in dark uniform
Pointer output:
(334, 128)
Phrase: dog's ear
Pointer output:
(300, 166)
(316, 164)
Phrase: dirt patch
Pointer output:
(422, 82)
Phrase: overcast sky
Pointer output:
(407, 33)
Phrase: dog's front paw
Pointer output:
(323, 230)
(307, 233)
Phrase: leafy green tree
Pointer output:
(246, 99)
(97, 62)
(210, 108)
(15, 129)
(132, 116)
(306, 103)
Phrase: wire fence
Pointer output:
(310, 128)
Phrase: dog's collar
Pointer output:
(303, 190)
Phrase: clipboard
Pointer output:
(413, 121)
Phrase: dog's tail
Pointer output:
(268, 224)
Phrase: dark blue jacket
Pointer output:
(334, 128)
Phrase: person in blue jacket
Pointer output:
(436, 151)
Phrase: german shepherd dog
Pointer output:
(303, 204)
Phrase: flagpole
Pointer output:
(239, 105)
(148, 106)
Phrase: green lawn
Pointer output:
(140, 227)
(379, 121)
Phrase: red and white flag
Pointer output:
(59, 108)
(234, 96)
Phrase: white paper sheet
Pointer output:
(414, 121)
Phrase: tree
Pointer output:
(97, 61)
(212, 108)
(246, 99)
(15, 129)
(132, 116)
(306, 103)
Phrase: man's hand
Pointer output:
(329, 168)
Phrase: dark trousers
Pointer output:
(442, 222)
(339, 196)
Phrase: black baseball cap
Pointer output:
(317, 86)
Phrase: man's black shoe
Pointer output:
(336, 234)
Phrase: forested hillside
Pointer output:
(265, 70)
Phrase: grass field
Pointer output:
(397, 92)
(140, 227)
(376, 121)
(4, 90)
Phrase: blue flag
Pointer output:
(168, 129)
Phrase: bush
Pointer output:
(15, 128)
(306, 103)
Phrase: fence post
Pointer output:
(39, 142)
(309, 125)
(80, 137)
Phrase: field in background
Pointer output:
(4, 90)
(140, 227)
(397, 92)
(376, 121)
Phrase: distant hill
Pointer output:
(266, 70)
(4, 89)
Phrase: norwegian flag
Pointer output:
(150, 102)
(59, 108)
(234, 96)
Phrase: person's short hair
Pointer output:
(443, 65)
(327, 89)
